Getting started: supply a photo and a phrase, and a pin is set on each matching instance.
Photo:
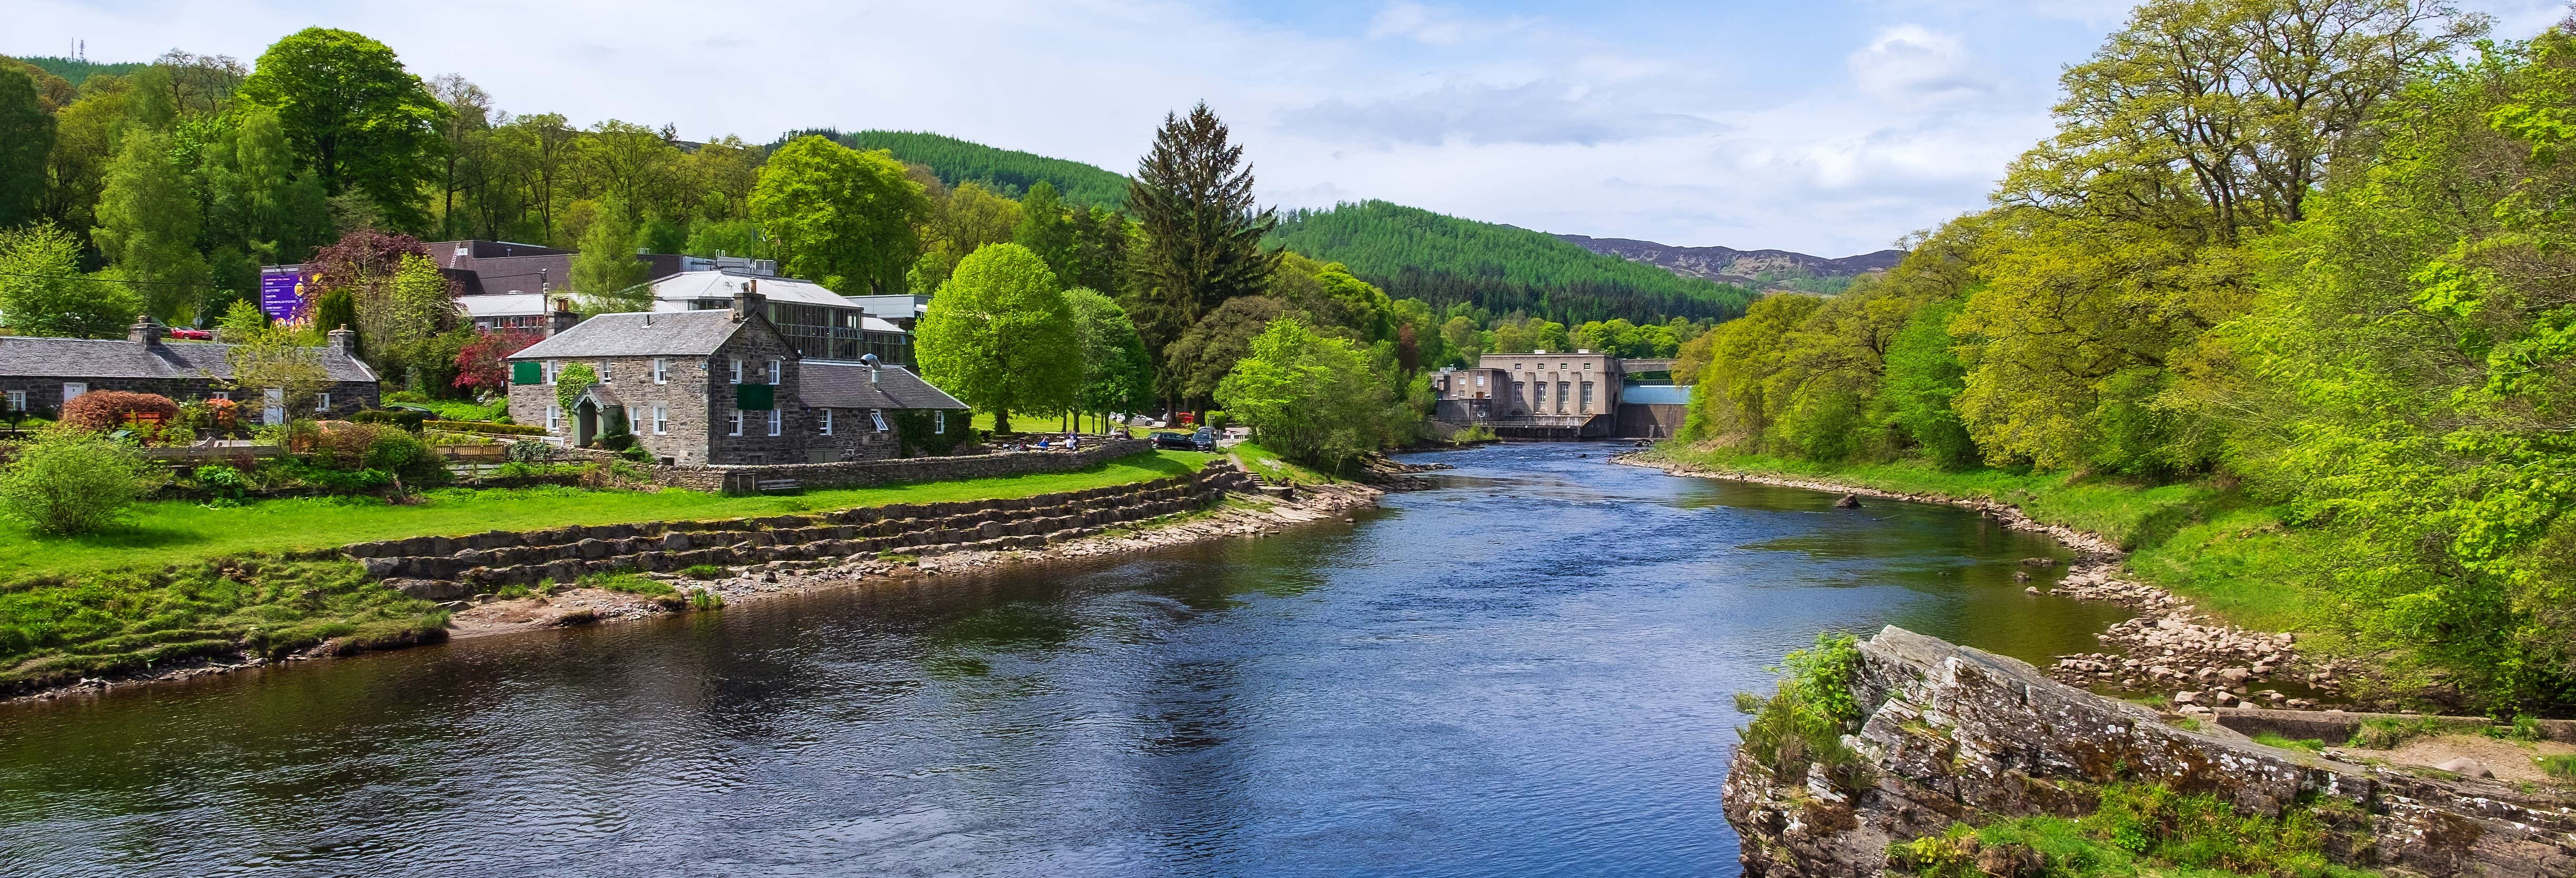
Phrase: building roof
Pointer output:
(26, 357)
(503, 305)
(839, 385)
(639, 334)
(675, 292)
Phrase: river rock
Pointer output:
(2466, 767)
(1848, 501)
(428, 589)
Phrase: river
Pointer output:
(1526, 671)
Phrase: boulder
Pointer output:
(1848, 501)
(428, 589)
(2466, 767)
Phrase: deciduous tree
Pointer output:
(842, 217)
(362, 122)
(1002, 336)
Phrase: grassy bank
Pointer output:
(170, 532)
(187, 580)
(1277, 467)
(2201, 540)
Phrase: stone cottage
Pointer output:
(725, 387)
(40, 374)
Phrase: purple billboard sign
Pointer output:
(281, 291)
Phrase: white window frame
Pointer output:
(321, 403)
(17, 400)
(777, 421)
(554, 417)
(220, 394)
(552, 367)
(736, 424)
(737, 371)
(939, 421)
(661, 420)
(777, 372)
(603, 373)
(661, 370)
(827, 421)
(878, 416)
(273, 405)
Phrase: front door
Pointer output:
(585, 424)
(72, 390)
(273, 409)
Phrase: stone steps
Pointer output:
(442, 566)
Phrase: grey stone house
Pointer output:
(40, 374)
(725, 387)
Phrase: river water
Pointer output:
(1526, 671)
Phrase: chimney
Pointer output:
(145, 330)
(344, 341)
(747, 301)
(560, 316)
(871, 360)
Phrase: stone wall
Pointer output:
(447, 567)
(863, 473)
(1956, 734)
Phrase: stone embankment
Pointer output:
(1952, 734)
(2196, 662)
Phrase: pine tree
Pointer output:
(1192, 197)
(1045, 230)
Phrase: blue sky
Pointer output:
(1830, 127)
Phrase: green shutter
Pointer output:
(527, 372)
(755, 397)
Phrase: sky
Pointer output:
(1830, 127)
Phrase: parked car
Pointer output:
(1175, 440)
(1203, 440)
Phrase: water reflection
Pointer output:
(1523, 672)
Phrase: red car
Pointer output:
(193, 334)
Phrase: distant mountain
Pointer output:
(1758, 269)
(1444, 259)
(1007, 171)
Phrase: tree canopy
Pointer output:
(357, 118)
(1001, 336)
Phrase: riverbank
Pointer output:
(409, 613)
(2188, 651)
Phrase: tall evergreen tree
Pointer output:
(1045, 229)
(1201, 245)
(26, 138)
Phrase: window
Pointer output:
(737, 374)
(603, 373)
(551, 368)
(1518, 390)
(273, 405)
(72, 390)
(661, 371)
(1587, 396)
(878, 415)
(17, 400)
(554, 418)
(939, 422)
(321, 403)
(1480, 380)
(220, 395)
(775, 421)
(736, 425)
(777, 374)
(634, 419)
(827, 422)
(661, 421)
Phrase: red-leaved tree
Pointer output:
(484, 363)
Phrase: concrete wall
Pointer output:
(852, 474)
(1650, 421)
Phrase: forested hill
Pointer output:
(1444, 259)
(1009, 172)
(77, 71)
(1758, 269)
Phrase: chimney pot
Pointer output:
(343, 340)
(145, 330)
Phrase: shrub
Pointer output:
(1803, 723)
(485, 428)
(627, 583)
(221, 481)
(409, 421)
(703, 599)
(70, 481)
(102, 410)
(703, 572)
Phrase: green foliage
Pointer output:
(1443, 259)
(26, 137)
(1923, 383)
(2269, 739)
(2140, 831)
(1008, 171)
(1117, 375)
(409, 421)
(148, 221)
(69, 482)
(1199, 230)
(355, 116)
(606, 273)
(1312, 397)
(57, 629)
(843, 217)
(703, 572)
(2560, 767)
(42, 291)
(1001, 336)
(485, 428)
(1803, 723)
(571, 381)
(920, 431)
(626, 582)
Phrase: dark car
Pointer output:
(1180, 441)
(1203, 440)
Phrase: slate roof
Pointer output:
(827, 384)
(28, 357)
(638, 334)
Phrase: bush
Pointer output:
(374, 456)
(1803, 723)
(102, 410)
(626, 583)
(70, 481)
(409, 421)
(483, 427)
(221, 481)
(703, 572)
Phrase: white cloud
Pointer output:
(1910, 64)
(1438, 27)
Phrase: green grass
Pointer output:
(2199, 540)
(57, 630)
(2561, 767)
(2270, 739)
(2142, 831)
(174, 532)
(627, 582)
(453, 410)
(1277, 467)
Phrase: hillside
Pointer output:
(1010, 172)
(1758, 269)
(1444, 259)
(76, 71)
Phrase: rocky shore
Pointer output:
(487, 615)
(2194, 662)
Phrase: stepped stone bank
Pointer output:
(446, 568)
(1954, 734)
